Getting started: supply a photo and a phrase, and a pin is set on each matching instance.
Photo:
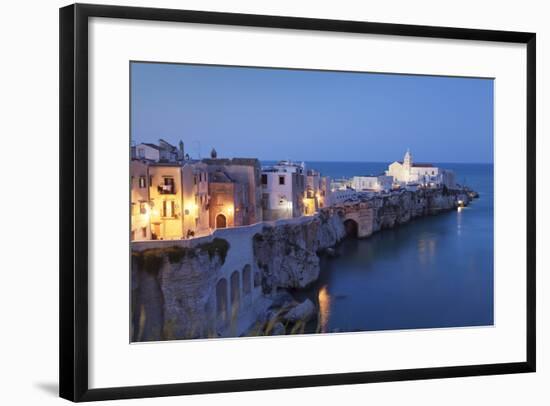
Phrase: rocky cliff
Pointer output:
(399, 208)
(173, 290)
(288, 254)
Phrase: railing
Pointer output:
(166, 189)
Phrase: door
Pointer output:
(221, 221)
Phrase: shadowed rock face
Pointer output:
(399, 209)
(188, 290)
(287, 254)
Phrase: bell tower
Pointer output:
(407, 160)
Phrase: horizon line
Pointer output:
(374, 162)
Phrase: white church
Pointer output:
(407, 172)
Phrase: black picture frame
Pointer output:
(74, 201)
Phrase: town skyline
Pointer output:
(205, 105)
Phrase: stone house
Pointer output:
(246, 173)
(196, 199)
(139, 201)
(165, 194)
(228, 200)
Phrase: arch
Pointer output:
(221, 299)
(257, 279)
(221, 221)
(235, 292)
(247, 279)
(351, 228)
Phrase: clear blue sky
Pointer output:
(312, 115)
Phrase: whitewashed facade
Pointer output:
(380, 183)
(283, 186)
(407, 172)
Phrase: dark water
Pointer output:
(432, 272)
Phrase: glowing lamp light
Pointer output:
(191, 208)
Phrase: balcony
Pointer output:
(166, 189)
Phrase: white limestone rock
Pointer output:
(301, 312)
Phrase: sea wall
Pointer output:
(231, 282)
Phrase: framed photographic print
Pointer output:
(257, 202)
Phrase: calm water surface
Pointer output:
(432, 272)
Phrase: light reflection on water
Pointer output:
(324, 309)
(426, 249)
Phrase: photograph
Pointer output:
(273, 201)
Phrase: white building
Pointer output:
(380, 183)
(148, 151)
(406, 172)
(340, 196)
(283, 187)
(340, 184)
(163, 152)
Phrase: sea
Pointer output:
(432, 272)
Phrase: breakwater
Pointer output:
(236, 281)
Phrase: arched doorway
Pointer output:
(221, 221)
(247, 279)
(351, 228)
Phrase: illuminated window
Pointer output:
(142, 182)
(168, 208)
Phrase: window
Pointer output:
(141, 152)
(142, 208)
(281, 180)
(168, 208)
(144, 232)
(264, 179)
(142, 182)
(168, 187)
